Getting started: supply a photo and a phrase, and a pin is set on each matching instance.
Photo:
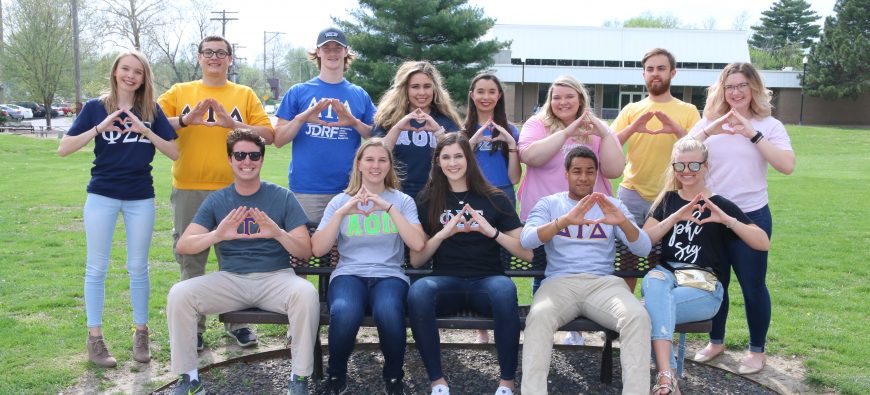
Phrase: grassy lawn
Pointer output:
(816, 273)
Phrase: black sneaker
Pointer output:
(333, 386)
(200, 344)
(187, 387)
(244, 337)
(393, 387)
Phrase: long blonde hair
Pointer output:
(395, 103)
(143, 99)
(546, 115)
(759, 106)
(391, 180)
(670, 182)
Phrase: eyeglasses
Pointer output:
(741, 87)
(209, 53)
(693, 166)
(240, 156)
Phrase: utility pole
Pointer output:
(224, 20)
(77, 58)
(234, 71)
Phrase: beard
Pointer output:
(661, 88)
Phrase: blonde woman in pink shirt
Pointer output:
(564, 122)
(742, 139)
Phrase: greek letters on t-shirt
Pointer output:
(588, 231)
(328, 132)
(419, 138)
(447, 215)
(235, 114)
(370, 225)
(687, 252)
(114, 136)
(249, 226)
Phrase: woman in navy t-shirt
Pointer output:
(469, 222)
(412, 115)
(126, 125)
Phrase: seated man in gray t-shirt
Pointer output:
(258, 226)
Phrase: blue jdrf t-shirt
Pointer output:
(323, 155)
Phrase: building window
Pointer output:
(583, 63)
(596, 63)
(677, 92)
(612, 63)
(699, 98)
(549, 62)
(533, 62)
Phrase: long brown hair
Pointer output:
(391, 180)
(143, 98)
(499, 114)
(438, 187)
(395, 103)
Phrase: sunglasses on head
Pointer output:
(240, 156)
(693, 166)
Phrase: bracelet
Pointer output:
(732, 224)
(495, 236)
(704, 130)
(758, 136)
(513, 150)
(556, 222)
(97, 129)
(181, 121)
(388, 208)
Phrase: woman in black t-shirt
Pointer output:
(694, 226)
(468, 222)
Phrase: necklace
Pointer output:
(461, 201)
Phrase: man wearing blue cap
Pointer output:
(325, 118)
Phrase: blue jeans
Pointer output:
(349, 299)
(669, 304)
(100, 216)
(494, 296)
(750, 266)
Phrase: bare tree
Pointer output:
(177, 42)
(38, 50)
(133, 21)
(741, 21)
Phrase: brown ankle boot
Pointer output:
(141, 353)
(98, 353)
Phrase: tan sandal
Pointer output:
(671, 384)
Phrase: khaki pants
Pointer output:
(184, 205)
(314, 205)
(220, 292)
(603, 299)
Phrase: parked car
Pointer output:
(61, 109)
(38, 111)
(17, 112)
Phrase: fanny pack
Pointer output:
(695, 276)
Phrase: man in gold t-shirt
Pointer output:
(203, 113)
(650, 127)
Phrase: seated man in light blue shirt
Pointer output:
(578, 229)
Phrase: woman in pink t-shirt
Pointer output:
(742, 139)
(562, 123)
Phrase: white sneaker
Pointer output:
(574, 339)
(502, 390)
(440, 389)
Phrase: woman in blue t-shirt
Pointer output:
(126, 125)
(412, 115)
(694, 226)
(469, 222)
(494, 138)
(370, 222)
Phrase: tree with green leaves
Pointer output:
(447, 33)
(648, 20)
(786, 23)
(37, 51)
(838, 65)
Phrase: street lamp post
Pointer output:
(522, 89)
(803, 84)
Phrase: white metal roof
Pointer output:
(604, 43)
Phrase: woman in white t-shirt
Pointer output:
(743, 139)
(371, 222)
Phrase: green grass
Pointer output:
(817, 270)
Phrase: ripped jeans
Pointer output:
(669, 304)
